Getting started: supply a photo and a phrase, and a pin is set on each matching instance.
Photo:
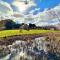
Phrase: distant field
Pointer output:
(21, 32)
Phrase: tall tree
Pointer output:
(9, 24)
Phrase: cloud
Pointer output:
(5, 10)
(47, 17)
(50, 14)
(32, 11)
(18, 17)
(21, 6)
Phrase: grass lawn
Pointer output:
(20, 32)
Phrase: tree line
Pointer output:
(10, 24)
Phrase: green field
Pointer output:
(21, 32)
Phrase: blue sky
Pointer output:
(42, 4)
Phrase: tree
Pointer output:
(9, 24)
(32, 26)
(16, 26)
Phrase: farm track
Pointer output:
(9, 40)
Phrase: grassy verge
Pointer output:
(21, 32)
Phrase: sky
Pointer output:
(38, 10)
(42, 4)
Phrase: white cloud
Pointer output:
(21, 6)
(5, 10)
(32, 11)
(18, 15)
(52, 14)
(42, 18)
